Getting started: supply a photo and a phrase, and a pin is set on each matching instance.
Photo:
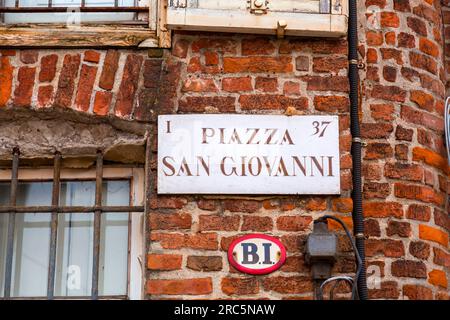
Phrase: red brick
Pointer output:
(128, 86)
(418, 192)
(260, 224)
(329, 64)
(271, 102)
(201, 104)
(281, 64)
(419, 249)
(198, 286)
(240, 286)
(390, 73)
(45, 96)
(402, 5)
(333, 83)
(378, 151)
(404, 134)
(374, 38)
(428, 13)
(376, 130)
(291, 88)
(302, 63)
(205, 241)
(438, 278)
(92, 56)
(372, 228)
(293, 223)
(152, 73)
(433, 234)
(382, 209)
(382, 112)
(409, 269)
(403, 171)
(386, 247)
(222, 223)
(376, 190)
(429, 47)
(316, 204)
(257, 46)
(387, 290)
(167, 202)
(418, 212)
(344, 205)
(422, 99)
(390, 93)
(24, 90)
(429, 157)
(290, 285)
(266, 84)
(208, 205)
(295, 264)
(204, 263)
(441, 219)
(246, 206)
(199, 85)
(85, 86)
(6, 76)
(211, 58)
(164, 262)
(389, 19)
(222, 45)
(401, 229)
(423, 62)
(415, 116)
(110, 66)
(441, 257)
(67, 78)
(417, 25)
(390, 38)
(7, 52)
(406, 40)
(102, 103)
(417, 292)
(48, 68)
(29, 56)
(332, 104)
(180, 48)
(237, 84)
(372, 55)
(175, 221)
(394, 54)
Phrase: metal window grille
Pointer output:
(55, 209)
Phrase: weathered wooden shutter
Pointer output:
(282, 17)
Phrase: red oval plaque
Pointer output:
(256, 254)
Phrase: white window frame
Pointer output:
(137, 245)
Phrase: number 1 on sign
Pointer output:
(320, 127)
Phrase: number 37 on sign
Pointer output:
(248, 154)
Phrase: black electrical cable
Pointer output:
(359, 262)
(357, 214)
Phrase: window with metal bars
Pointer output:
(75, 11)
(71, 233)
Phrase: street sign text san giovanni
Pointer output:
(248, 154)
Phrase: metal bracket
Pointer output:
(281, 28)
(258, 6)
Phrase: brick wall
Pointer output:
(405, 173)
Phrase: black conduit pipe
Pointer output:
(357, 214)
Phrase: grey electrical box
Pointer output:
(321, 250)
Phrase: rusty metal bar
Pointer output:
(11, 223)
(97, 229)
(75, 209)
(64, 9)
(54, 226)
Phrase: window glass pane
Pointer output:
(72, 18)
(114, 240)
(75, 241)
(4, 201)
(31, 241)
